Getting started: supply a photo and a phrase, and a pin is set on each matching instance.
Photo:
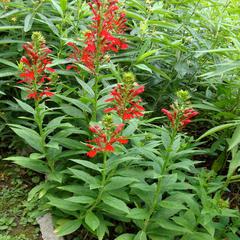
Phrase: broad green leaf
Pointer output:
(234, 164)
(138, 213)
(81, 199)
(115, 203)
(35, 165)
(92, 220)
(144, 67)
(145, 55)
(141, 235)
(63, 204)
(119, 182)
(76, 102)
(235, 140)
(29, 135)
(84, 176)
(68, 226)
(171, 204)
(125, 236)
(28, 21)
(57, 7)
(87, 164)
(49, 23)
(25, 106)
(7, 72)
(8, 63)
(63, 4)
(102, 229)
(135, 15)
(86, 87)
(170, 225)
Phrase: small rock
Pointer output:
(46, 226)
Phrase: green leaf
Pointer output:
(7, 28)
(8, 63)
(7, 72)
(87, 164)
(29, 135)
(138, 213)
(217, 129)
(170, 225)
(102, 229)
(86, 87)
(125, 236)
(119, 182)
(235, 140)
(63, 204)
(63, 4)
(57, 7)
(141, 235)
(81, 199)
(144, 67)
(171, 204)
(28, 21)
(134, 15)
(115, 203)
(234, 164)
(92, 220)
(68, 226)
(145, 55)
(84, 177)
(131, 128)
(25, 106)
(35, 165)
(49, 23)
(76, 102)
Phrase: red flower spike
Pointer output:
(34, 71)
(126, 102)
(108, 21)
(183, 116)
(104, 140)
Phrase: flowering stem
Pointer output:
(103, 182)
(158, 190)
(97, 66)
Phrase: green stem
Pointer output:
(103, 182)
(159, 187)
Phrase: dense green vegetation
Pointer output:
(126, 131)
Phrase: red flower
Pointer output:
(108, 21)
(126, 102)
(104, 140)
(183, 117)
(35, 68)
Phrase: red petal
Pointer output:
(122, 140)
(109, 148)
(50, 69)
(92, 153)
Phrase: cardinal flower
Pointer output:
(125, 100)
(180, 117)
(105, 138)
(35, 68)
(107, 22)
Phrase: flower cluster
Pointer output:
(125, 100)
(105, 138)
(126, 103)
(35, 68)
(180, 117)
(108, 22)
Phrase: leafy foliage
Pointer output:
(147, 178)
